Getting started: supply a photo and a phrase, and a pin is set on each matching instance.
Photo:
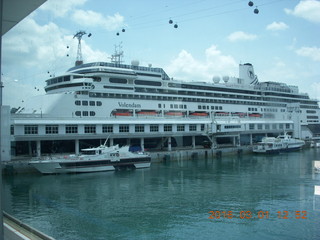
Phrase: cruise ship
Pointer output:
(143, 107)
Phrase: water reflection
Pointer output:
(172, 200)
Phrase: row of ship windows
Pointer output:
(212, 107)
(181, 99)
(222, 95)
(312, 117)
(206, 88)
(87, 103)
(90, 128)
(311, 111)
(85, 113)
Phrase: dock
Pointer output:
(20, 165)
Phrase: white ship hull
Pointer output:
(93, 160)
(283, 143)
(49, 167)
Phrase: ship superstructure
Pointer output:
(144, 106)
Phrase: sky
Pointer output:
(211, 39)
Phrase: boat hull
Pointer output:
(279, 150)
(57, 167)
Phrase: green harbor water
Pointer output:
(232, 197)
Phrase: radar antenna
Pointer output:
(79, 36)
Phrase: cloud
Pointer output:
(307, 9)
(32, 45)
(310, 52)
(276, 26)
(241, 36)
(15, 92)
(60, 8)
(35, 49)
(186, 67)
(95, 19)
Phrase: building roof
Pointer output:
(13, 11)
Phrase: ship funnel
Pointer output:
(246, 73)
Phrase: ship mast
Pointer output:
(118, 54)
(79, 36)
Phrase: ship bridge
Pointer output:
(157, 72)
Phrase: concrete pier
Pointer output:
(17, 230)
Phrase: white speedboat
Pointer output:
(282, 143)
(96, 159)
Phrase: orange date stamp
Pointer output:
(257, 214)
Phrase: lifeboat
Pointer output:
(239, 114)
(122, 114)
(199, 114)
(174, 113)
(146, 112)
(255, 115)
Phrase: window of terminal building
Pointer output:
(85, 113)
(12, 129)
(99, 103)
(280, 126)
(251, 126)
(52, 129)
(180, 128)
(167, 128)
(92, 103)
(202, 127)
(84, 103)
(78, 113)
(274, 126)
(259, 126)
(154, 128)
(92, 113)
(30, 129)
(287, 125)
(107, 128)
(139, 128)
(192, 127)
(77, 102)
(89, 128)
(71, 129)
(123, 128)
(267, 127)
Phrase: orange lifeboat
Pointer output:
(255, 115)
(239, 114)
(174, 113)
(199, 114)
(122, 114)
(146, 112)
